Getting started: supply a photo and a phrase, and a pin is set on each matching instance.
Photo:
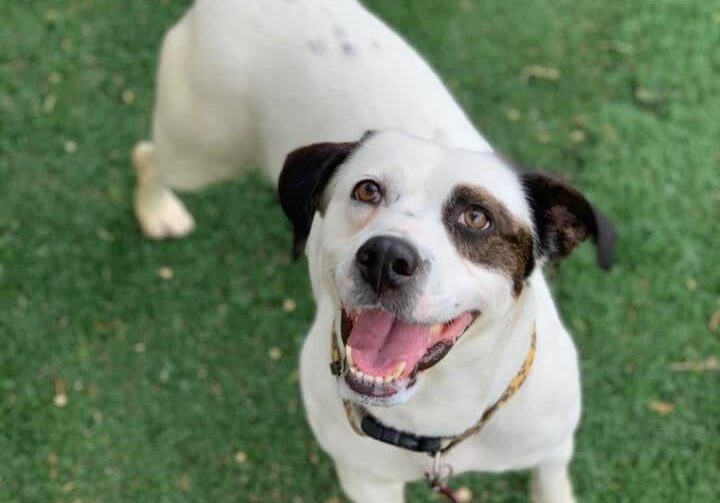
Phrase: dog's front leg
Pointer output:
(551, 480)
(362, 488)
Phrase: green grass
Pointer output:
(166, 380)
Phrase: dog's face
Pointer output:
(419, 241)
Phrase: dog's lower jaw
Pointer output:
(402, 395)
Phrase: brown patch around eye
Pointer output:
(506, 245)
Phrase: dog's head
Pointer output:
(417, 241)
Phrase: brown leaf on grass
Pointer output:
(60, 399)
(184, 482)
(71, 147)
(578, 136)
(289, 305)
(714, 322)
(165, 273)
(52, 460)
(466, 5)
(644, 95)
(544, 137)
(662, 408)
(710, 364)
(128, 97)
(540, 72)
(104, 235)
(513, 114)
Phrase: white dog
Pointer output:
(424, 246)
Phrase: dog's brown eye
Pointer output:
(367, 192)
(475, 218)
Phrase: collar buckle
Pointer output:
(438, 478)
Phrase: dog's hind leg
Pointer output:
(551, 480)
(201, 134)
(362, 489)
(158, 210)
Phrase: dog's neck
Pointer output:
(455, 393)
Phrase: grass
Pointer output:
(117, 385)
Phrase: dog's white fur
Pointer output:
(242, 83)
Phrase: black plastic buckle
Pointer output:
(416, 443)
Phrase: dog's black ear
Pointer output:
(305, 174)
(564, 218)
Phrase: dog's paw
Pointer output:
(161, 214)
(551, 486)
(562, 496)
(561, 499)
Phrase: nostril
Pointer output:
(402, 267)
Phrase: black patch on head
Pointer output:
(564, 218)
(305, 174)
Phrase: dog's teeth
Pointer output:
(348, 356)
(398, 372)
(379, 380)
(436, 328)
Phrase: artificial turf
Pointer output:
(133, 371)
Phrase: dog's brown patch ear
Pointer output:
(564, 218)
(303, 179)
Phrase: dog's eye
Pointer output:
(367, 192)
(476, 218)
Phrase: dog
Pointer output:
(436, 343)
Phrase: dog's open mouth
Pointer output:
(384, 353)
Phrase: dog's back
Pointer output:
(316, 71)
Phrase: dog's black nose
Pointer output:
(387, 262)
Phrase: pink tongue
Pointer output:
(380, 342)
